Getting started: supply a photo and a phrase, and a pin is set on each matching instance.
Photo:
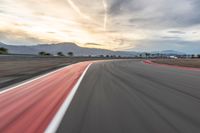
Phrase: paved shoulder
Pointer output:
(131, 97)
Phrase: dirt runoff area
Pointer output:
(14, 69)
(195, 63)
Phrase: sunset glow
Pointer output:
(115, 24)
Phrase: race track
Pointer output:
(132, 97)
(118, 96)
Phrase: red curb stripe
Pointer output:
(31, 107)
(172, 66)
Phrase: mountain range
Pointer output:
(72, 47)
(64, 48)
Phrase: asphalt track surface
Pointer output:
(133, 97)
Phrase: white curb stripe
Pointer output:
(54, 124)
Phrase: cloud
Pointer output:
(120, 7)
(76, 8)
(176, 32)
(129, 24)
(171, 37)
(105, 6)
(19, 36)
(92, 44)
(167, 44)
(157, 13)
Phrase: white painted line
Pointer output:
(31, 80)
(54, 124)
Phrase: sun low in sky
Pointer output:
(139, 25)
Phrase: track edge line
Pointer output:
(55, 122)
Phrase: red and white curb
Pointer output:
(39, 105)
(61, 112)
(34, 79)
(171, 66)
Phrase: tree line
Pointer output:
(3, 50)
(43, 53)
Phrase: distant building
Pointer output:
(173, 57)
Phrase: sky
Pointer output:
(131, 25)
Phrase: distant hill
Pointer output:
(77, 50)
(172, 52)
(65, 48)
(169, 52)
